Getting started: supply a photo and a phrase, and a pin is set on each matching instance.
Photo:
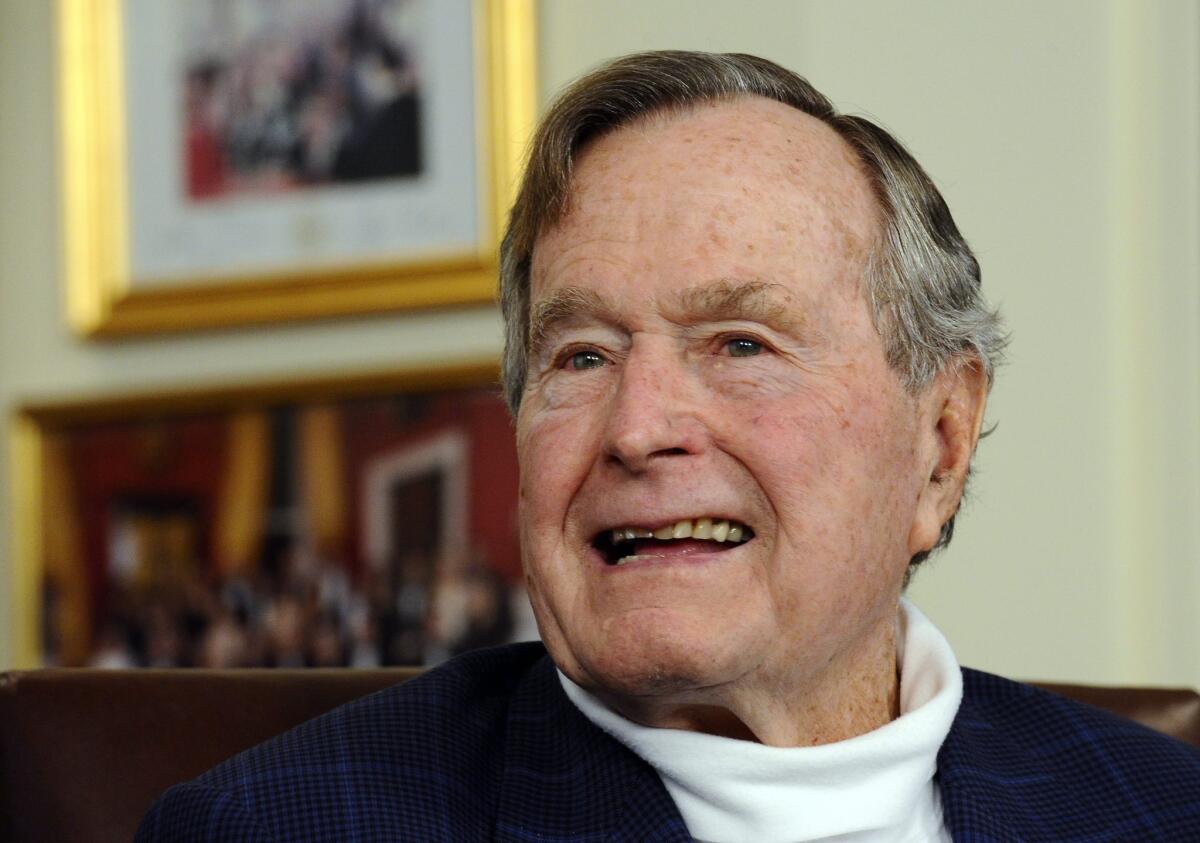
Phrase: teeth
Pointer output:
(628, 534)
(636, 558)
(699, 528)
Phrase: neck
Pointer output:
(856, 692)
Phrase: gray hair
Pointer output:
(921, 279)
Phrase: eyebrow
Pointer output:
(714, 301)
(566, 304)
(730, 298)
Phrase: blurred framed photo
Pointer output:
(229, 162)
(368, 520)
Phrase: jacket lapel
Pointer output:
(976, 768)
(564, 779)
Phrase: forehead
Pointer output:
(746, 188)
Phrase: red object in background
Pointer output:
(181, 458)
(205, 163)
(493, 484)
(371, 429)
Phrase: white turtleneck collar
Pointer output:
(871, 788)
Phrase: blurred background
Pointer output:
(1065, 137)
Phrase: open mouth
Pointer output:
(622, 545)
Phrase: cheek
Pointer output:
(796, 450)
(796, 423)
(830, 461)
(550, 472)
(556, 445)
(874, 479)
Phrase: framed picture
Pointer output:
(230, 162)
(364, 520)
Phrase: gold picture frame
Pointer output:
(103, 300)
(36, 430)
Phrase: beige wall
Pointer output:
(1064, 136)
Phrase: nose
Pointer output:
(652, 415)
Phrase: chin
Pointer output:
(652, 661)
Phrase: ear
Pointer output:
(952, 414)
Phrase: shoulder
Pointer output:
(414, 760)
(1065, 766)
(1036, 719)
(454, 712)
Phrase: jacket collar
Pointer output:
(976, 770)
(564, 779)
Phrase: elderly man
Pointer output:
(748, 358)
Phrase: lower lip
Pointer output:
(680, 557)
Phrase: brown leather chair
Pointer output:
(84, 752)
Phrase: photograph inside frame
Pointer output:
(282, 96)
(372, 531)
(282, 136)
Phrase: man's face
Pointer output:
(702, 350)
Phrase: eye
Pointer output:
(581, 360)
(744, 347)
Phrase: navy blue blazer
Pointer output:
(488, 747)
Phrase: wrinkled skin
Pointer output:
(703, 348)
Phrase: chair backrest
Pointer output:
(1172, 711)
(83, 753)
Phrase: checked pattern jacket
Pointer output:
(488, 747)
